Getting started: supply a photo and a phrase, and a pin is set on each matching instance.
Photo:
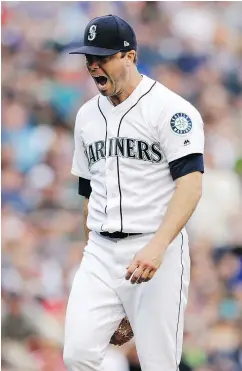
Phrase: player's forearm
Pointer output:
(182, 205)
(85, 214)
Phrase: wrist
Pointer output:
(159, 243)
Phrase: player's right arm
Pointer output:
(85, 190)
(85, 215)
(81, 170)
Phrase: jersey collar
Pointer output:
(141, 88)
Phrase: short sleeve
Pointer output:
(80, 162)
(181, 132)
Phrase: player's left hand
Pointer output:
(145, 263)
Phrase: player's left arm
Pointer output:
(181, 206)
(186, 168)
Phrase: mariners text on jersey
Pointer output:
(125, 151)
(124, 147)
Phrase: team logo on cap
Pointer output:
(181, 123)
(92, 32)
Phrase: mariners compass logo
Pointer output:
(181, 123)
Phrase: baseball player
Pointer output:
(139, 159)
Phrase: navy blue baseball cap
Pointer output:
(107, 35)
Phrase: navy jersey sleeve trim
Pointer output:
(186, 165)
(84, 187)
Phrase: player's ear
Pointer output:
(130, 57)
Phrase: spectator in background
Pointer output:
(15, 325)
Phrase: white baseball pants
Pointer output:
(101, 297)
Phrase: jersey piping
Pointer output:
(179, 309)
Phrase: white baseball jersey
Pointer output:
(125, 151)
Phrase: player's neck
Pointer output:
(128, 90)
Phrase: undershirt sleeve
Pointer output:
(84, 187)
(186, 165)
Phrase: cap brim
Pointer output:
(95, 50)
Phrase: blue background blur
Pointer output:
(195, 49)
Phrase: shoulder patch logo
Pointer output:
(181, 123)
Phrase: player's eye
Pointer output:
(99, 59)
(103, 59)
(89, 60)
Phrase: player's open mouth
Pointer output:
(101, 81)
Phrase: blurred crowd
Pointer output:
(193, 48)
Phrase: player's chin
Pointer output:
(105, 90)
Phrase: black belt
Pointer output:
(118, 234)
